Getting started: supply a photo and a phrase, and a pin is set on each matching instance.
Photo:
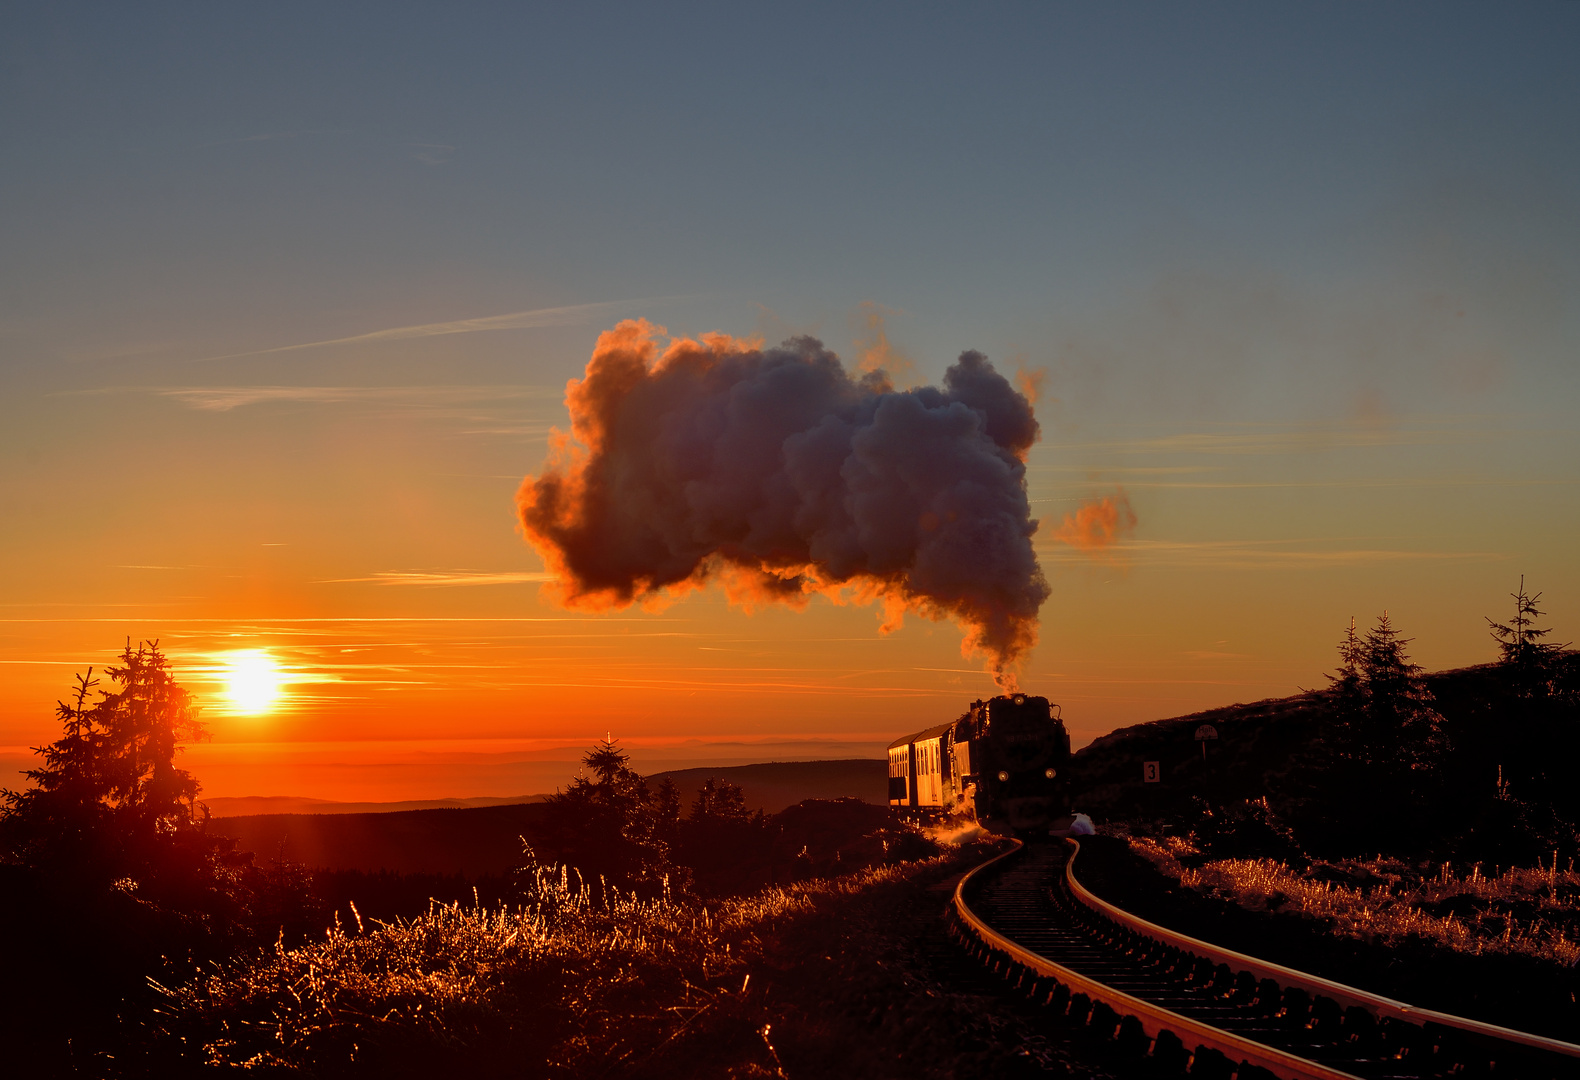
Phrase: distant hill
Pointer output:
(479, 840)
(774, 785)
(486, 839)
(249, 805)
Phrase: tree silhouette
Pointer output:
(1400, 730)
(721, 838)
(109, 804)
(719, 800)
(109, 877)
(608, 824)
(1534, 710)
(1531, 663)
(1377, 763)
(1348, 687)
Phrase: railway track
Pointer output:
(1179, 1004)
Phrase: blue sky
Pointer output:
(1302, 279)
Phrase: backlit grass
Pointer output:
(1531, 912)
(557, 985)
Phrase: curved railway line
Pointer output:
(1180, 1004)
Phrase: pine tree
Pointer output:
(608, 825)
(1537, 711)
(1348, 689)
(1400, 729)
(109, 802)
(720, 800)
(1531, 663)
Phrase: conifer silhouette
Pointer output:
(1532, 664)
(109, 804)
(1400, 729)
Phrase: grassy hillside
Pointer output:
(1262, 749)
(1492, 787)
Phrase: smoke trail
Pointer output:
(1098, 525)
(779, 474)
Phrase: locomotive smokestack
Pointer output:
(778, 473)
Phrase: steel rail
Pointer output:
(1154, 1019)
(1379, 1006)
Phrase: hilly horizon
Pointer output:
(486, 839)
(770, 786)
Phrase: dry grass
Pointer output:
(1523, 912)
(559, 985)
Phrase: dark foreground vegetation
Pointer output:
(825, 978)
(143, 942)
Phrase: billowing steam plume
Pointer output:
(777, 472)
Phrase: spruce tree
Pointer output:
(606, 824)
(1401, 731)
(1378, 763)
(1349, 693)
(719, 800)
(1530, 663)
(1536, 710)
(109, 802)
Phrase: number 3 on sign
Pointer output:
(1150, 773)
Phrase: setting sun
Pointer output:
(252, 681)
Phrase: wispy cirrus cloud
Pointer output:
(225, 398)
(1292, 554)
(1299, 438)
(513, 320)
(447, 577)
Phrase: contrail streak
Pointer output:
(515, 320)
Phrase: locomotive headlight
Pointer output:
(1050, 773)
(1003, 776)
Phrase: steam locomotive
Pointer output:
(1001, 763)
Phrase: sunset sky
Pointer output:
(289, 296)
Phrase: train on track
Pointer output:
(1002, 764)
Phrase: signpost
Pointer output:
(1203, 733)
(1150, 772)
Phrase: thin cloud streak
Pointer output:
(226, 398)
(1278, 442)
(1367, 482)
(1294, 438)
(1260, 555)
(447, 577)
(514, 320)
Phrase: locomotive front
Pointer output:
(1002, 763)
(1018, 759)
